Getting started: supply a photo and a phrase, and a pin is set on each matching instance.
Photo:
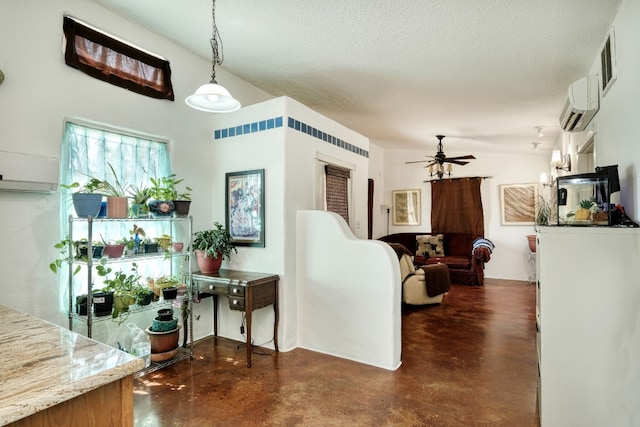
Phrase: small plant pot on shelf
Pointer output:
(117, 207)
(182, 208)
(113, 251)
(165, 314)
(177, 247)
(150, 248)
(81, 305)
(102, 303)
(122, 302)
(161, 208)
(531, 239)
(83, 250)
(170, 293)
(87, 204)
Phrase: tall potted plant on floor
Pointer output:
(211, 247)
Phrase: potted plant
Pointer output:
(543, 216)
(139, 195)
(82, 249)
(124, 286)
(116, 192)
(211, 247)
(113, 249)
(164, 194)
(144, 295)
(162, 283)
(87, 198)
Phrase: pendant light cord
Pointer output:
(218, 55)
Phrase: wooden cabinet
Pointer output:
(588, 322)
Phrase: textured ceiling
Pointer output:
(483, 72)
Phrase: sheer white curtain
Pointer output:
(87, 151)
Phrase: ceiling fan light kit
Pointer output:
(437, 165)
(211, 97)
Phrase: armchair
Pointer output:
(426, 285)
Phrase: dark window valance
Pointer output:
(108, 59)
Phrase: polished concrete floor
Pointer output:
(470, 361)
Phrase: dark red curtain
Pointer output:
(456, 206)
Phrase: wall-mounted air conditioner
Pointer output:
(27, 172)
(581, 105)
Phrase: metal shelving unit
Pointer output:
(89, 262)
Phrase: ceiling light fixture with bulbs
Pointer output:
(211, 97)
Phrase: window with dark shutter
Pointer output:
(102, 56)
(337, 190)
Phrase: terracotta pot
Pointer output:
(163, 342)
(531, 238)
(117, 207)
(113, 251)
(206, 264)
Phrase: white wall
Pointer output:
(349, 292)
(40, 90)
(510, 257)
(289, 159)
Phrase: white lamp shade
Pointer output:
(212, 98)
(556, 158)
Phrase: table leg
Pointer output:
(276, 318)
(248, 310)
(215, 315)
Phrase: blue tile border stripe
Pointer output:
(246, 128)
(277, 122)
(317, 133)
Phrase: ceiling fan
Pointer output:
(436, 165)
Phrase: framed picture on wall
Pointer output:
(518, 203)
(244, 203)
(406, 207)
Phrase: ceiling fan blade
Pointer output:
(455, 162)
(468, 156)
(418, 161)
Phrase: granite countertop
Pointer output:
(44, 364)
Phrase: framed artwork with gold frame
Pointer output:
(406, 207)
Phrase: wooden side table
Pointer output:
(246, 291)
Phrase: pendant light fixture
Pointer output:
(212, 97)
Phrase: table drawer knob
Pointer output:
(235, 302)
(235, 291)
(210, 286)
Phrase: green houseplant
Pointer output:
(87, 198)
(211, 247)
(165, 189)
(139, 195)
(125, 287)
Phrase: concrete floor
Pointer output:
(470, 361)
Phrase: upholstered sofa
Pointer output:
(464, 258)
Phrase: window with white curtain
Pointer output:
(87, 151)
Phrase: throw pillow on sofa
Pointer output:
(430, 245)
